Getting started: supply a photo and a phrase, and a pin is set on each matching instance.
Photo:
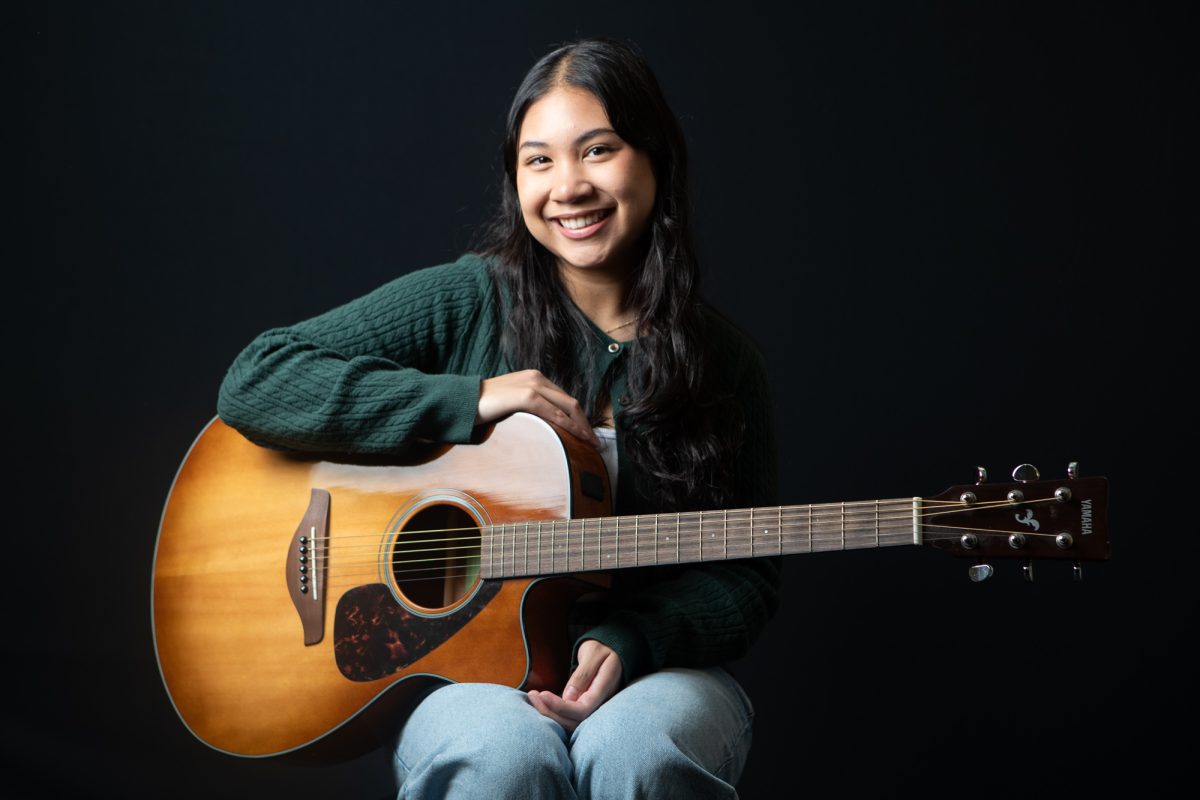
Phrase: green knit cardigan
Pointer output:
(404, 363)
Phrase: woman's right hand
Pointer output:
(532, 391)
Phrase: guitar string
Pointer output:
(693, 517)
(861, 536)
(852, 537)
(766, 543)
(604, 524)
(475, 561)
(790, 528)
(833, 509)
(990, 530)
(687, 523)
(648, 545)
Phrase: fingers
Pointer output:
(592, 655)
(594, 681)
(551, 705)
(532, 391)
(561, 409)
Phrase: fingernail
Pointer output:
(571, 694)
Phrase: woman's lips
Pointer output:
(587, 224)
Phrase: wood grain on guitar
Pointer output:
(301, 600)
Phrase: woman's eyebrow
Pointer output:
(580, 139)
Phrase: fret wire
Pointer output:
(491, 551)
(656, 538)
(617, 545)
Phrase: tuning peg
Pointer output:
(1027, 570)
(980, 572)
(1077, 571)
(1026, 473)
(980, 475)
(1073, 470)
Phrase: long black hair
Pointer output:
(682, 440)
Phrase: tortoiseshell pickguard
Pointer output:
(374, 636)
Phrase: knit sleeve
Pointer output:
(709, 613)
(398, 365)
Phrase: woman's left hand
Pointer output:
(596, 679)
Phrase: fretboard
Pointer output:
(550, 547)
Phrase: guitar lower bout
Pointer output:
(394, 564)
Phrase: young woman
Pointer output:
(583, 309)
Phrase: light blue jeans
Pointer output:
(679, 733)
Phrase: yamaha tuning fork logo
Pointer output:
(1028, 519)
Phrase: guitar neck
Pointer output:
(554, 547)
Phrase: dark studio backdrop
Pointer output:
(954, 229)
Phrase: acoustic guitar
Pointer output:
(299, 601)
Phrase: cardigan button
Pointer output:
(614, 348)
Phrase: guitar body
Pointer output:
(298, 602)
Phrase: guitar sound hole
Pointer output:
(435, 562)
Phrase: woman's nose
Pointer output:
(570, 184)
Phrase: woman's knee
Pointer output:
(673, 730)
(476, 735)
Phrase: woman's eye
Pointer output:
(598, 150)
(537, 161)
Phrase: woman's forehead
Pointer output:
(561, 116)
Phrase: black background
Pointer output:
(954, 229)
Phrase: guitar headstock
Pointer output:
(1029, 519)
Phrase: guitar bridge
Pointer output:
(306, 566)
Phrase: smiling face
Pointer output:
(586, 194)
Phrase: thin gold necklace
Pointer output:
(622, 325)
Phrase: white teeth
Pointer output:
(575, 223)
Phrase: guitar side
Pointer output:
(230, 641)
